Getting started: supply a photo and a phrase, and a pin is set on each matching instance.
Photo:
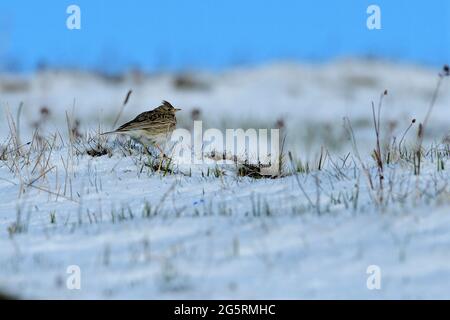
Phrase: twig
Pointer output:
(298, 181)
(445, 73)
(122, 108)
(405, 133)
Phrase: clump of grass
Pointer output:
(20, 225)
(217, 172)
(94, 145)
(53, 217)
(159, 164)
(250, 170)
(147, 210)
(245, 168)
(300, 167)
(98, 151)
(306, 167)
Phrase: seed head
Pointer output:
(446, 70)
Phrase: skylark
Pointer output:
(151, 127)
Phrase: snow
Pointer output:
(139, 234)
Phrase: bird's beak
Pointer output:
(176, 109)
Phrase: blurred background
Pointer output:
(199, 34)
(299, 65)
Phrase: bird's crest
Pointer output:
(167, 104)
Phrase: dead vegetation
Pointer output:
(40, 165)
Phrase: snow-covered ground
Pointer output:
(205, 233)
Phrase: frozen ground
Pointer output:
(199, 233)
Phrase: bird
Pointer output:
(151, 127)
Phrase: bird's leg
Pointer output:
(162, 155)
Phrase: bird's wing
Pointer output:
(137, 122)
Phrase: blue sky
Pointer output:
(173, 35)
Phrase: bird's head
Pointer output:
(167, 107)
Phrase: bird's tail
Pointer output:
(109, 132)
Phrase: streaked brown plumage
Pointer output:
(153, 126)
